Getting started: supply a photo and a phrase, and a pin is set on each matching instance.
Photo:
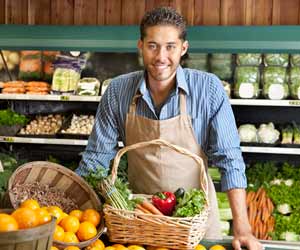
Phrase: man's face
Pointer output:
(161, 50)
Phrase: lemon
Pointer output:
(135, 247)
(217, 247)
(200, 247)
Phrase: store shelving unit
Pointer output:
(212, 39)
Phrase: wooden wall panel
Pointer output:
(62, 12)
(109, 12)
(2, 11)
(39, 11)
(233, 12)
(16, 12)
(85, 12)
(259, 12)
(207, 12)
(185, 8)
(150, 4)
(132, 11)
(285, 12)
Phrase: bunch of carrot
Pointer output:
(260, 209)
(21, 87)
(147, 207)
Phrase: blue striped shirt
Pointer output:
(207, 104)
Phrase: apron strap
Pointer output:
(182, 103)
(132, 107)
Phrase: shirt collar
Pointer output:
(180, 82)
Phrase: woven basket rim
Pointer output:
(48, 165)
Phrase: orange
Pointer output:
(97, 244)
(92, 216)
(217, 247)
(8, 223)
(110, 248)
(119, 247)
(86, 231)
(59, 233)
(43, 216)
(56, 212)
(70, 238)
(53, 248)
(25, 217)
(93, 248)
(135, 247)
(77, 213)
(71, 248)
(30, 203)
(70, 224)
(200, 247)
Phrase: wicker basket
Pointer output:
(63, 179)
(157, 230)
(37, 238)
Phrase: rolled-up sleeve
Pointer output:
(103, 141)
(223, 148)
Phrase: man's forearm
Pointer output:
(237, 199)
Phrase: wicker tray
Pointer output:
(63, 179)
(157, 230)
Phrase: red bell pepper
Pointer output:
(164, 202)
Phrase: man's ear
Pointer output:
(140, 44)
(185, 47)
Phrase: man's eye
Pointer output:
(170, 47)
(152, 46)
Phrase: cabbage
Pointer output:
(276, 59)
(295, 59)
(200, 64)
(247, 133)
(274, 75)
(275, 91)
(267, 133)
(222, 56)
(246, 74)
(249, 59)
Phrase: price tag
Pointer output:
(64, 98)
(294, 103)
(8, 139)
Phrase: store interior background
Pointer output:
(130, 12)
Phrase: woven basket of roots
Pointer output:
(157, 230)
(54, 185)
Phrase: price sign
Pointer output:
(294, 103)
(8, 139)
(64, 98)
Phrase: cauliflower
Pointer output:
(267, 133)
(247, 133)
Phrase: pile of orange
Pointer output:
(28, 215)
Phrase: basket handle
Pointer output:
(161, 142)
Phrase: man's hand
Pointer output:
(246, 240)
(243, 236)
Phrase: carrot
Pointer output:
(13, 90)
(144, 210)
(13, 84)
(149, 206)
(38, 84)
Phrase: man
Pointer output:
(185, 107)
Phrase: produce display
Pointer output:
(11, 118)
(88, 86)
(246, 82)
(221, 65)
(248, 59)
(12, 59)
(281, 184)
(43, 125)
(21, 87)
(266, 133)
(276, 60)
(295, 82)
(80, 124)
(66, 74)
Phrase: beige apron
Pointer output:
(155, 168)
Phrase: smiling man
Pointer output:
(185, 107)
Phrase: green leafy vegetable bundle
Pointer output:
(10, 118)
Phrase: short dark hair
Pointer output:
(163, 16)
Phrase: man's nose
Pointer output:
(161, 53)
